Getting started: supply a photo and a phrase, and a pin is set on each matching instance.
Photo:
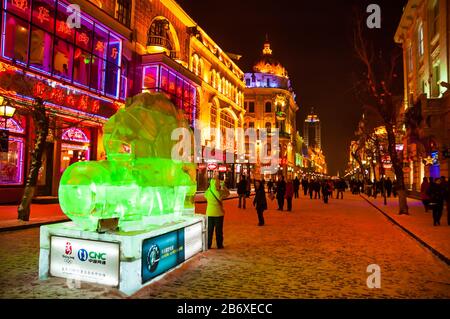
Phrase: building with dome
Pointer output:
(269, 102)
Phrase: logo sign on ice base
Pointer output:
(85, 260)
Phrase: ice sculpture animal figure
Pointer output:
(139, 183)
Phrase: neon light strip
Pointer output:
(66, 108)
(15, 127)
(84, 138)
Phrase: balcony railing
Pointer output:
(153, 40)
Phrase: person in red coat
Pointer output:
(289, 194)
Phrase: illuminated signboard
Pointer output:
(161, 253)
(85, 260)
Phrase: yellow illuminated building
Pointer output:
(269, 104)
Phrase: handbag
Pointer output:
(220, 203)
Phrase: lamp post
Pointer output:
(6, 112)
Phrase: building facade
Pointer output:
(312, 131)
(424, 33)
(269, 104)
(118, 49)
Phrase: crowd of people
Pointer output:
(433, 194)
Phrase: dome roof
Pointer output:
(268, 63)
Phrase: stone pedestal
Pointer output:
(80, 254)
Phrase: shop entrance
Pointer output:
(45, 174)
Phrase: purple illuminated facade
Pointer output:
(83, 69)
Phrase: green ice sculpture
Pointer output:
(139, 183)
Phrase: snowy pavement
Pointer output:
(316, 251)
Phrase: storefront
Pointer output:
(76, 71)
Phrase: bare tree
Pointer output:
(377, 91)
(15, 82)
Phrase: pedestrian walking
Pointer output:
(326, 190)
(260, 201)
(394, 188)
(311, 186)
(317, 186)
(242, 192)
(341, 186)
(305, 186)
(289, 194)
(214, 195)
(281, 192)
(296, 183)
(424, 193)
(388, 187)
(436, 193)
(270, 186)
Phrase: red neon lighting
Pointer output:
(20, 4)
(82, 37)
(99, 46)
(43, 15)
(61, 26)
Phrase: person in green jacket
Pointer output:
(214, 195)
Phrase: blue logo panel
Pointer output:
(161, 253)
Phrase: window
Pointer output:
(123, 12)
(251, 125)
(124, 79)
(410, 59)
(435, 19)
(15, 38)
(436, 80)
(213, 115)
(36, 35)
(268, 127)
(420, 41)
(268, 107)
(251, 107)
(247, 82)
(268, 82)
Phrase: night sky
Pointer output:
(313, 40)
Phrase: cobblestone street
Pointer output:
(316, 251)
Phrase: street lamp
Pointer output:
(6, 111)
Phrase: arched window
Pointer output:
(159, 34)
(213, 78)
(268, 127)
(268, 107)
(218, 82)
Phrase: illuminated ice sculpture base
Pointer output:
(125, 260)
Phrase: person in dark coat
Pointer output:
(394, 188)
(424, 193)
(341, 185)
(296, 186)
(317, 187)
(281, 192)
(388, 187)
(305, 186)
(437, 194)
(270, 186)
(311, 188)
(242, 192)
(326, 190)
(260, 201)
